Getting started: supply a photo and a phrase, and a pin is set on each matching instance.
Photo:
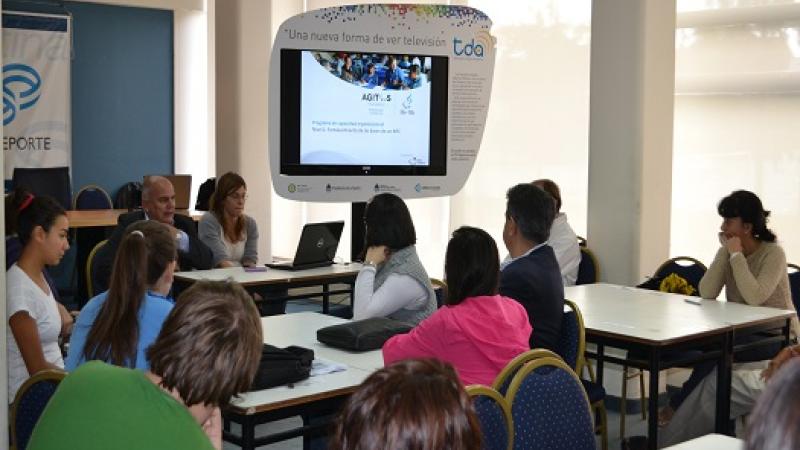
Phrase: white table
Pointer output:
(710, 441)
(316, 395)
(653, 323)
(319, 276)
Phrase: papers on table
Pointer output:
(324, 366)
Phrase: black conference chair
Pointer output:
(50, 181)
(589, 268)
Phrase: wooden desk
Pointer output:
(655, 324)
(108, 217)
(320, 276)
(710, 441)
(319, 395)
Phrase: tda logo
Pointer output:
(473, 48)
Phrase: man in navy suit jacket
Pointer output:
(532, 276)
(158, 203)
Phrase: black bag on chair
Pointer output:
(281, 366)
(362, 335)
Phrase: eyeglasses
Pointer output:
(237, 197)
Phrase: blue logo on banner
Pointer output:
(21, 85)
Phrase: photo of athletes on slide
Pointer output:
(376, 70)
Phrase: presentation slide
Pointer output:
(364, 109)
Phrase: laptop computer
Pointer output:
(317, 246)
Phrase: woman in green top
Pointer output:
(208, 351)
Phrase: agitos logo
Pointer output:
(474, 48)
(21, 89)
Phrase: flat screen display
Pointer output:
(354, 113)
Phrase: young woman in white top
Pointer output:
(35, 319)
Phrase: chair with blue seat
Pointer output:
(89, 266)
(29, 403)
(92, 196)
(794, 284)
(588, 268)
(494, 415)
(503, 379)
(571, 348)
(688, 268)
(549, 408)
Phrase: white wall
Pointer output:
(194, 90)
(243, 38)
(736, 113)
(538, 120)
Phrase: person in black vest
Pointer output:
(158, 203)
(531, 275)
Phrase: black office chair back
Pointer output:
(588, 268)
(129, 196)
(204, 194)
(50, 181)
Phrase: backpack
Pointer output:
(281, 366)
(129, 196)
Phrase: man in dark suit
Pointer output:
(531, 276)
(158, 203)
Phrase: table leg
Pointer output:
(326, 298)
(787, 337)
(652, 400)
(600, 350)
(248, 433)
(724, 367)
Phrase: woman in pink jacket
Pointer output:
(477, 330)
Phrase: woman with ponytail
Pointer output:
(118, 325)
(35, 319)
(752, 269)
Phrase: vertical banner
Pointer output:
(36, 91)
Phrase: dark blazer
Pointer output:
(535, 282)
(198, 257)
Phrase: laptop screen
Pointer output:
(318, 242)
